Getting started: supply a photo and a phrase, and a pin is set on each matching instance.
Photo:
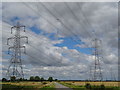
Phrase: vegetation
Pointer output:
(35, 82)
(30, 85)
(13, 78)
(88, 86)
(4, 79)
(42, 79)
(32, 78)
(14, 87)
(50, 87)
(50, 79)
(37, 78)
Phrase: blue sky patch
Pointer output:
(36, 30)
(15, 19)
(71, 44)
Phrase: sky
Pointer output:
(61, 35)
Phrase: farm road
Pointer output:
(60, 86)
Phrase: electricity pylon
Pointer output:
(97, 57)
(15, 68)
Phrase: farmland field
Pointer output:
(75, 85)
(92, 83)
(27, 85)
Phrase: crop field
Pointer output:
(78, 85)
(75, 85)
(114, 84)
(27, 85)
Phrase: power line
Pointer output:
(43, 17)
(40, 51)
(39, 14)
(86, 19)
(61, 22)
(76, 17)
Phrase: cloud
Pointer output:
(46, 59)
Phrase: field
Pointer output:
(76, 85)
(92, 83)
(27, 85)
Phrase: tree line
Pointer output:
(32, 78)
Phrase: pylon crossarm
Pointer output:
(23, 27)
(9, 39)
(24, 48)
(25, 37)
(9, 49)
(12, 28)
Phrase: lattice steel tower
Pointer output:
(15, 68)
(97, 51)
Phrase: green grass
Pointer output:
(24, 87)
(75, 87)
(47, 88)
(14, 87)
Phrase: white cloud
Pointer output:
(62, 62)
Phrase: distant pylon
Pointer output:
(97, 76)
(90, 73)
(15, 68)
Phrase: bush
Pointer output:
(37, 78)
(4, 79)
(42, 79)
(50, 79)
(32, 78)
(44, 83)
(88, 86)
(102, 86)
(56, 80)
(13, 78)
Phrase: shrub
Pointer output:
(4, 79)
(37, 78)
(102, 86)
(32, 78)
(42, 79)
(44, 83)
(88, 86)
(12, 78)
(50, 79)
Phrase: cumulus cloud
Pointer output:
(81, 21)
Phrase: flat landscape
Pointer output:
(59, 45)
(93, 83)
(69, 85)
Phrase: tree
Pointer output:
(21, 79)
(50, 79)
(37, 78)
(4, 79)
(56, 80)
(42, 79)
(32, 78)
(13, 78)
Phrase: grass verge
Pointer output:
(27, 86)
